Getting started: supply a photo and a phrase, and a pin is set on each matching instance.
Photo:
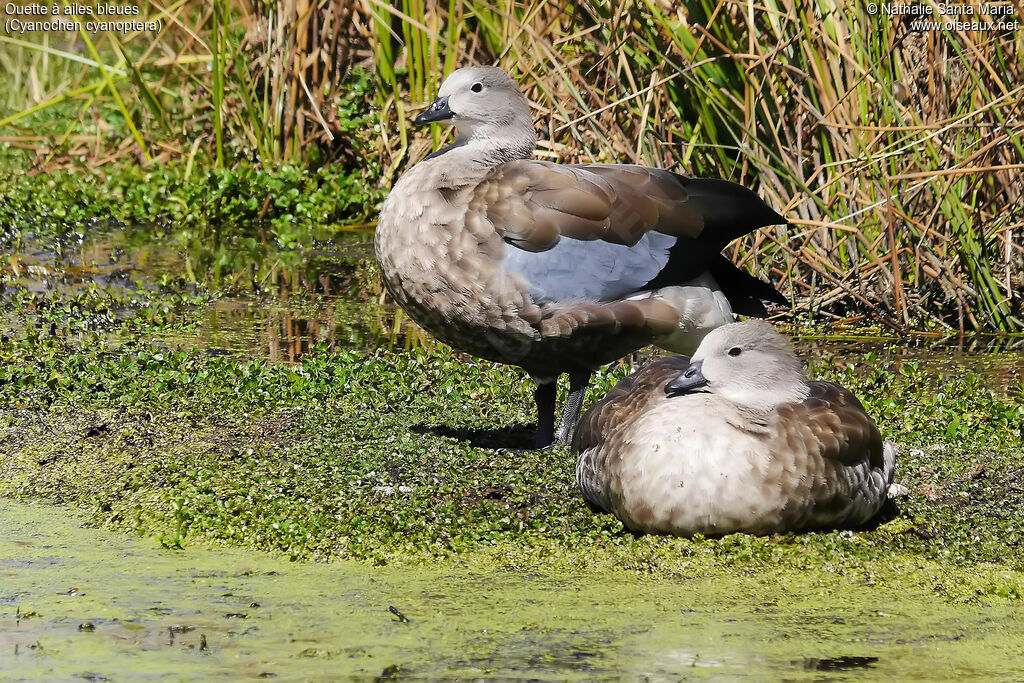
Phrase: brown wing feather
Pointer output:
(845, 468)
(837, 420)
(532, 203)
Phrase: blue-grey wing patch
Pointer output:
(593, 270)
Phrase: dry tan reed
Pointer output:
(896, 152)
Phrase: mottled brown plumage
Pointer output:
(536, 203)
(733, 440)
(557, 268)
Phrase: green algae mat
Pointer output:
(369, 476)
(77, 602)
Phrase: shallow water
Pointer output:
(325, 298)
(293, 303)
(78, 602)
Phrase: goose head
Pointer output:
(487, 108)
(749, 364)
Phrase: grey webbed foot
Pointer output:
(566, 430)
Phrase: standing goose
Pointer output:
(558, 268)
(733, 440)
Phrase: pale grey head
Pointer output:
(750, 364)
(487, 107)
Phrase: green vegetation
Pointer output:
(390, 457)
(286, 206)
(227, 219)
(241, 135)
(230, 222)
(894, 151)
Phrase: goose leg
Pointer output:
(544, 396)
(566, 430)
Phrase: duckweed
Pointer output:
(390, 458)
(413, 457)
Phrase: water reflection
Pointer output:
(279, 305)
(997, 358)
(838, 663)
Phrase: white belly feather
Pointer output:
(693, 477)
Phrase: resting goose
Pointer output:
(734, 439)
(558, 268)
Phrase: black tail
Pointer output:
(744, 291)
(729, 210)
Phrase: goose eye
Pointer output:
(477, 87)
(735, 351)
